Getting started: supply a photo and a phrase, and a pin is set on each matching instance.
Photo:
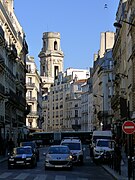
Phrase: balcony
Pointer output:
(12, 97)
(33, 113)
(1, 36)
(25, 46)
(29, 84)
(12, 51)
(28, 98)
(2, 89)
(115, 100)
(2, 64)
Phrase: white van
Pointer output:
(101, 135)
(103, 146)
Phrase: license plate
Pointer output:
(58, 166)
(19, 162)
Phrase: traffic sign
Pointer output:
(128, 127)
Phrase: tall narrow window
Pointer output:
(29, 80)
(29, 94)
(55, 45)
(56, 71)
(76, 113)
(44, 45)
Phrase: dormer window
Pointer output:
(55, 45)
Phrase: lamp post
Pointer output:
(119, 25)
(102, 96)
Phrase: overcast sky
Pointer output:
(79, 23)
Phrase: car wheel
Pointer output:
(46, 168)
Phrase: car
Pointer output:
(75, 147)
(34, 147)
(103, 146)
(22, 156)
(58, 156)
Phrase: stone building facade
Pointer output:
(13, 50)
(33, 95)
(51, 59)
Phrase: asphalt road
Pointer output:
(89, 171)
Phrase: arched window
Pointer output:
(55, 45)
(44, 45)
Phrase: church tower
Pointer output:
(51, 59)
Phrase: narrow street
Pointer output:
(89, 171)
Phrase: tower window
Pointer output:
(55, 45)
(44, 45)
(56, 71)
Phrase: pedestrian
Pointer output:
(118, 157)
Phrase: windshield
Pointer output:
(59, 150)
(23, 151)
(100, 137)
(28, 144)
(103, 143)
(73, 146)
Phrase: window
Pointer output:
(29, 80)
(76, 113)
(29, 93)
(29, 68)
(56, 71)
(55, 45)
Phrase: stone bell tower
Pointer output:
(51, 59)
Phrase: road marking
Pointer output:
(60, 177)
(41, 177)
(5, 175)
(22, 176)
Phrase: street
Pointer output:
(89, 171)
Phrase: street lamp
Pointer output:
(119, 25)
(102, 96)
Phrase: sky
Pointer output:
(79, 22)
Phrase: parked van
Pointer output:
(101, 135)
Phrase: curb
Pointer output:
(113, 174)
(109, 172)
(3, 159)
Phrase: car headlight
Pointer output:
(69, 158)
(11, 159)
(28, 159)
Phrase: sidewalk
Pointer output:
(3, 158)
(124, 169)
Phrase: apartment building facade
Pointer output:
(62, 105)
(123, 102)
(103, 83)
(13, 50)
(33, 95)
